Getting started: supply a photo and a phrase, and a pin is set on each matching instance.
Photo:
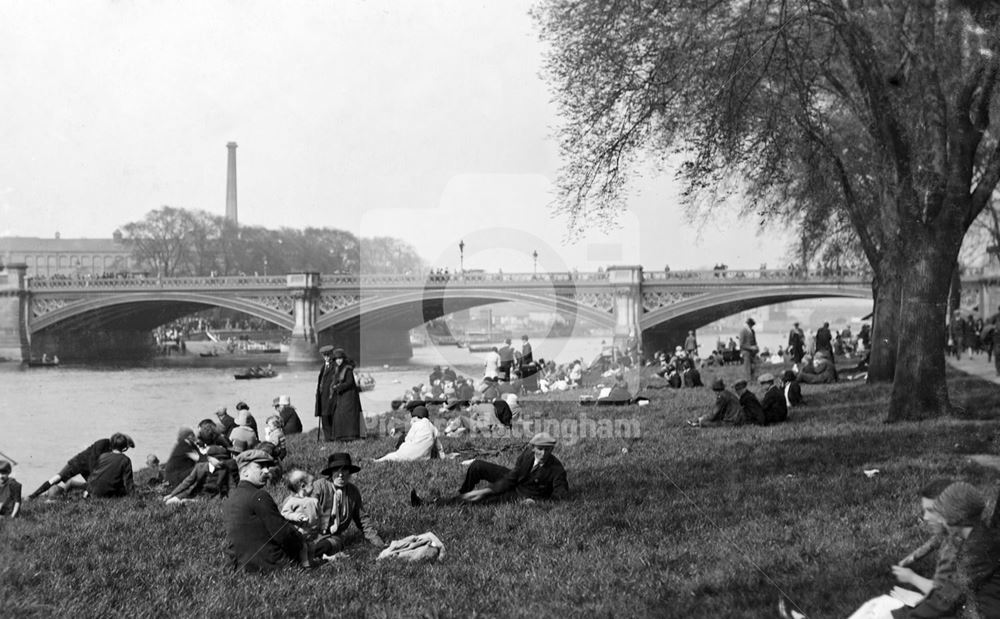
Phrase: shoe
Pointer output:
(415, 500)
(694, 424)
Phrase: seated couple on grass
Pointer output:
(537, 475)
(309, 530)
(966, 577)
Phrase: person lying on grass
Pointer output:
(728, 410)
(81, 464)
(208, 479)
(537, 475)
(259, 539)
(339, 505)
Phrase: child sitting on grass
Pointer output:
(302, 510)
(156, 471)
(10, 492)
(276, 436)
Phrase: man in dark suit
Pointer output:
(774, 405)
(506, 360)
(537, 475)
(324, 396)
(751, 405)
(824, 339)
(259, 539)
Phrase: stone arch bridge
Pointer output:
(373, 313)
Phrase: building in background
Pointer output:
(68, 257)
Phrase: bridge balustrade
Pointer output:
(728, 275)
(164, 283)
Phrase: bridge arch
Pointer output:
(111, 308)
(414, 308)
(700, 310)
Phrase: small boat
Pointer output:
(365, 382)
(252, 373)
(46, 363)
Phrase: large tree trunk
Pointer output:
(885, 318)
(919, 390)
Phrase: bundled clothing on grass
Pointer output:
(112, 477)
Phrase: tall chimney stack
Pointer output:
(231, 184)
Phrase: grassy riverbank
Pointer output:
(679, 522)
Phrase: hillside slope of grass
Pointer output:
(679, 522)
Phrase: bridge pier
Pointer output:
(14, 342)
(626, 283)
(302, 345)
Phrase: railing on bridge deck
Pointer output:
(472, 279)
(732, 276)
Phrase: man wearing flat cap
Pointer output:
(727, 408)
(259, 539)
(324, 392)
(537, 475)
(340, 504)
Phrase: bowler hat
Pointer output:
(420, 412)
(338, 353)
(718, 385)
(337, 461)
(250, 456)
(242, 406)
(765, 378)
(325, 350)
(751, 321)
(542, 439)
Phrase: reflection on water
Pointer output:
(50, 414)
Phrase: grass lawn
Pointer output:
(680, 522)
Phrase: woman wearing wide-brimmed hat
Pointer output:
(339, 505)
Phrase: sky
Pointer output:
(427, 121)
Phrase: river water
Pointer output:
(50, 414)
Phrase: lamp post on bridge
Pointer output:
(461, 256)
(534, 255)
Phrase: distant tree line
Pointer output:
(174, 242)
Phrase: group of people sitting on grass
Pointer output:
(744, 407)
(225, 460)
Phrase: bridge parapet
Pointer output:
(730, 277)
(234, 282)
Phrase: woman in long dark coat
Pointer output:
(347, 401)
